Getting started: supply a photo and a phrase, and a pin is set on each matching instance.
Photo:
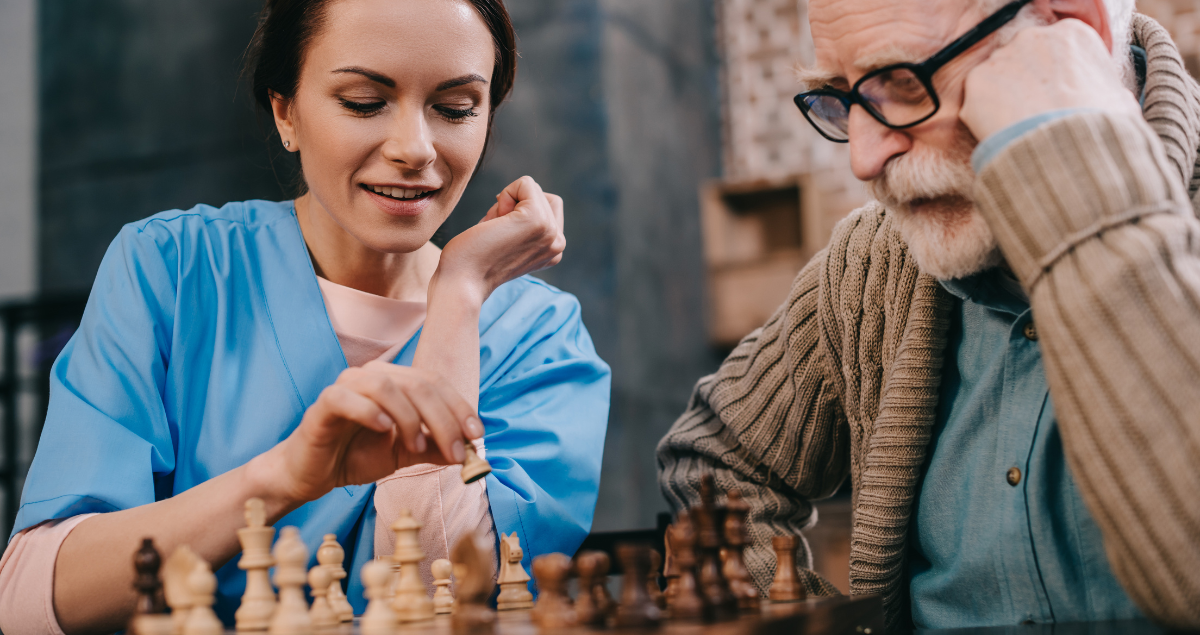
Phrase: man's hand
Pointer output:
(1045, 68)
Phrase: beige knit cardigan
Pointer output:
(1094, 213)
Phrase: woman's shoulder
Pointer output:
(528, 298)
(251, 214)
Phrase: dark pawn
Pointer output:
(736, 511)
(786, 587)
(586, 610)
(636, 609)
(684, 603)
(719, 603)
(553, 609)
(604, 600)
(652, 588)
(146, 562)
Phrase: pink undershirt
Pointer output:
(368, 327)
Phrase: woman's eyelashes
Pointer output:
(363, 108)
(367, 108)
(456, 114)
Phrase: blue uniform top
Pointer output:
(206, 338)
(990, 547)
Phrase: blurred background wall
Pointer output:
(695, 190)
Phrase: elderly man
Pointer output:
(1003, 352)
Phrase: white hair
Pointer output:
(1120, 20)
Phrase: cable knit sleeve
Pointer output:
(1091, 215)
(767, 422)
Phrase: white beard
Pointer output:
(945, 233)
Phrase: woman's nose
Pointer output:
(410, 141)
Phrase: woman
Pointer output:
(272, 350)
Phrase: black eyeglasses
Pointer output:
(897, 96)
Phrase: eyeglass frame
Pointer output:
(923, 71)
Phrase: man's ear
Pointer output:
(281, 109)
(1091, 12)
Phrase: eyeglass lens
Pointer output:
(897, 96)
(828, 113)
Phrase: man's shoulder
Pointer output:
(866, 237)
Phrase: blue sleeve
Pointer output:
(106, 444)
(544, 402)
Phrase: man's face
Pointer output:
(922, 174)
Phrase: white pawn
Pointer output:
(201, 620)
(379, 618)
(412, 602)
(443, 600)
(175, 572)
(321, 613)
(291, 557)
(514, 581)
(331, 556)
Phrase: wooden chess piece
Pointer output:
(258, 602)
(443, 600)
(553, 609)
(474, 467)
(636, 609)
(176, 590)
(734, 564)
(321, 614)
(291, 559)
(146, 563)
(412, 603)
(514, 582)
(786, 586)
(719, 603)
(670, 569)
(685, 603)
(587, 613)
(201, 620)
(604, 600)
(331, 556)
(151, 624)
(472, 558)
(652, 589)
(379, 618)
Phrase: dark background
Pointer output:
(615, 108)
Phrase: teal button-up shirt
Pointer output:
(1000, 535)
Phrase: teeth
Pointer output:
(396, 192)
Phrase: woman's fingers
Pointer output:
(446, 415)
(374, 383)
(341, 402)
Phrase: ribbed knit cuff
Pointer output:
(1068, 182)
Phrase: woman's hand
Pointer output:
(371, 422)
(521, 233)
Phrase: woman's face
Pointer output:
(390, 115)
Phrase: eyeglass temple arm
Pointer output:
(990, 25)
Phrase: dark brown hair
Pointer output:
(287, 27)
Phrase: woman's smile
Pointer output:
(401, 199)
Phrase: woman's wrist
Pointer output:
(464, 292)
(265, 477)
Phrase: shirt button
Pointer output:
(1014, 476)
(1031, 332)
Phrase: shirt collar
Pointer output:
(994, 289)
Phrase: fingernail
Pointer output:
(475, 426)
(420, 444)
(456, 449)
(385, 422)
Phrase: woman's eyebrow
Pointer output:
(371, 75)
(461, 81)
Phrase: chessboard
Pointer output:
(708, 589)
(816, 616)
